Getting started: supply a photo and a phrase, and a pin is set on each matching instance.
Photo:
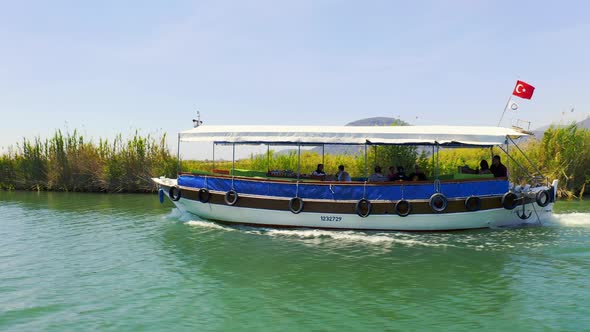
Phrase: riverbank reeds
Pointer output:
(68, 162)
(564, 154)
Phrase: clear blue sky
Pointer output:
(107, 67)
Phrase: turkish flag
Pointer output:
(523, 90)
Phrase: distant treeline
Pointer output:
(69, 163)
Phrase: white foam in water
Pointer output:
(310, 234)
(350, 236)
(572, 219)
(206, 224)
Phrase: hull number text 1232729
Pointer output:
(330, 218)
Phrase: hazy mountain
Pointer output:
(541, 130)
(585, 123)
(355, 149)
(377, 121)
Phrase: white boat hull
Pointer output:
(491, 218)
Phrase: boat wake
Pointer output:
(575, 219)
(353, 237)
(315, 236)
(349, 237)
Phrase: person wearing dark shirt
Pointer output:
(392, 175)
(418, 174)
(319, 172)
(497, 168)
(401, 173)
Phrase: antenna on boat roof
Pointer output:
(197, 122)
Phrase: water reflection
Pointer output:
(313, 273)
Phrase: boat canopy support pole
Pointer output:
(436, 169)
(233, 165)
(212, 169)
(366, 169)
(323, 151)
(508, 160)
(178, 154)
(433, 163)
(268, 157)
(298, 161)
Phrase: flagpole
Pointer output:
(504, 112)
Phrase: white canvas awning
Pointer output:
(406, 135)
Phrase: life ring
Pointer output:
(509, 200)
(204, 195)
(363, 204)
(543, 198)
(438, 202)
(296, 205)
(473, 203)
(228, 197)
(403, 208)
(174, 193)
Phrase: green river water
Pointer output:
(82, 262)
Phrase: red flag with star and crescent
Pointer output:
(523, 90)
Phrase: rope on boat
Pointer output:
(365, 190)
(536, 214)
(525, 157)
(297, 189)
(437, 186)
(436, 169)
(519, 165)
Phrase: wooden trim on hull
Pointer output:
(339, 207)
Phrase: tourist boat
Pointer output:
(433, 205)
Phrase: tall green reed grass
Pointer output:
(69, 162)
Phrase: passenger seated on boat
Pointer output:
(342, 175)
(401, 173)
(497, 168)
(319, 172)
(418, 174)
(392, 175)
(467, 170)
(484, 168)
(377, 176)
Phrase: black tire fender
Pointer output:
(174, 193)
(472, 203)
(359, 206)
(543, 194)
(228, 197)
(296, 202)
(438, 202)
(403, 208)
(509, 200)
(204, 195)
